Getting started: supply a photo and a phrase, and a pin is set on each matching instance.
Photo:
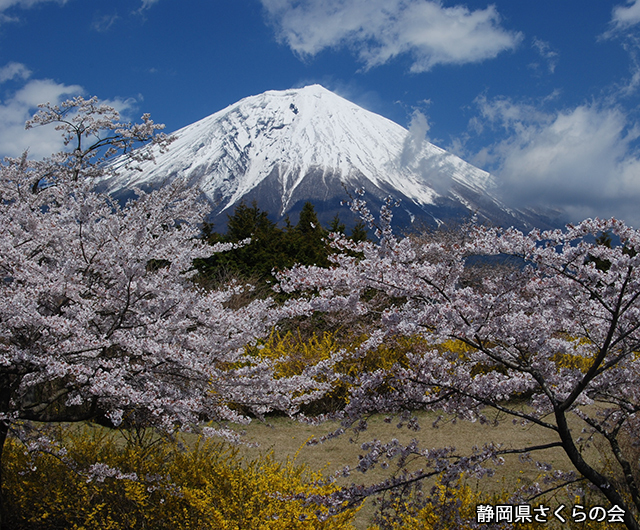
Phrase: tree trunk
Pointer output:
(4, 429)
(6, 385)
(593, 476)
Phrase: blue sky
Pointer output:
(543, 94)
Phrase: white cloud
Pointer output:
(6, 4)
(123, 106)
(413, 143)
(380, 30)
(545, 51)
(622, 27)
(582, 160)
(146, 4)
(14, 70)
(100, 24)
(623, 17)
(104, 23)
(17, 109)
(22, 104)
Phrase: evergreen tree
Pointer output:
(254, 260)
(336, 225)
(248, 221)
(271, 247)
(308, 239)
(308, 222)
(359, 232)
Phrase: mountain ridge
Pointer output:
(283, 148)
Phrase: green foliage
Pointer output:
(163, 485)
(359, 232)
(307, 244)
(336, 225)
(271, 247)
(267, 249)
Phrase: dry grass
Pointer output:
(287, 438)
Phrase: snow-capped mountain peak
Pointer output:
(283, 148)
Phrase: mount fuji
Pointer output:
(283, 148)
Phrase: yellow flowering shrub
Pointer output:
(291, 353)
(208, 486)
(455, 507)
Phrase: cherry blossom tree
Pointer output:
(552, 340)
(99, 316)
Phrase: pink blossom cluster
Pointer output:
(545, 325)
(99, 314)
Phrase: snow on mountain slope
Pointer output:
(284, 147)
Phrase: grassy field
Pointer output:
(287, 438)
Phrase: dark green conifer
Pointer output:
(359, 232)
(271, 247)
(336, 225)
